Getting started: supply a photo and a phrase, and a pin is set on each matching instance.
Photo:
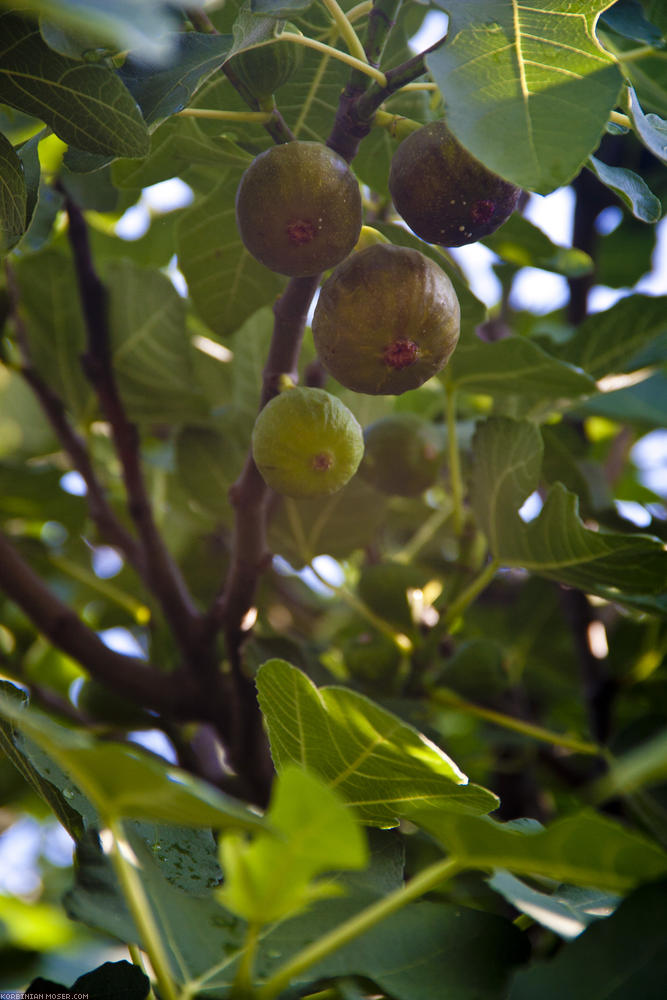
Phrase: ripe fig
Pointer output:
(387, 319)
(402, 454)
(298, 208)
(444, 194)
(306, 443)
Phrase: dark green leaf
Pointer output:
(336, 525)
(85, 105)
(631, 189)
(13, 196)
(556, 544)
(644, 403)
(382, 766)
(521, 243)
(226, 284)
(627, 18)
(151, 349)
(608, 342)
(164, 91)
(280, 8)
(413, 953)
(585, 849)
(620, 958)
(55, 327)
(528, 89)
(515, 366)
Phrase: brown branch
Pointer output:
(130, 676)
(110, 528)
(162, 574)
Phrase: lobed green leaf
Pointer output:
(85, 104)
(379, 764)
(528, 87)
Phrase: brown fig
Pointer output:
(298, 208)
(444, 194)
(387, 319)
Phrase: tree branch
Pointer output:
(163, 576)
(131, 677)
(110, 528)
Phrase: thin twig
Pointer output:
(110, 528)
(127, 675)
(164, 577)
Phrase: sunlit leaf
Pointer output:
(275, 874)
(380, 765)
(527, 86)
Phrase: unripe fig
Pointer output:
(306, 443)
(444, 194)
(402, 454)
(262, 70)
(387, 319)
(372, 657)
(298, 208)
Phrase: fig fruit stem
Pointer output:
(449, 699)
(455, 478)
(361, 922)
(122, 860)
(397, 126)
(243, 981)
(467, 596)
(616, 118)
(358, 64)
(401, 641)
(424, 534)
(345, 30)
(361, 10)
(260, 117)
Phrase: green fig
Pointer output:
(263, 69)
(298, 208)
(306, 443)
(402, 455)
(444, 194)
(387, 319)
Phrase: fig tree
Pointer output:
(444, 194)
(387, 319)
(298, 208)
(306, 443)
(402, 454)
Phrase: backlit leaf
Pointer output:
(527, 86)
(380, 765)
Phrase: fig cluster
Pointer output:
(387, 318)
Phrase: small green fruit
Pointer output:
(298, 208)
(306, 443)
(403, 454)
(444, 194)
(262, 70)
(372, 657)
(387, 319)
